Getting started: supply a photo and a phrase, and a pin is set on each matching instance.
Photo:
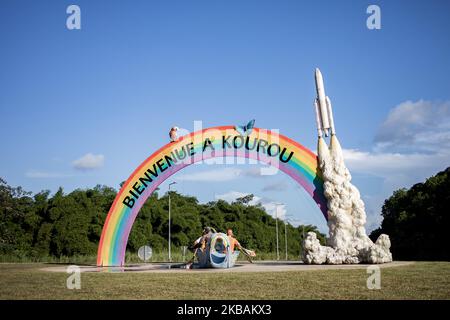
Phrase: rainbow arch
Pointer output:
(216, 144)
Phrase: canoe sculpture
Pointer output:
(217, 253)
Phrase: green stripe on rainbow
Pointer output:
(213, 143)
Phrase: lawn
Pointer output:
(421, 280)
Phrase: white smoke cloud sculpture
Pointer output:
(348, 242)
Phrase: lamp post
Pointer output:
(285, 237)
(170, 256)
(276, 227)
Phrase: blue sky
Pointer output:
(113, 89)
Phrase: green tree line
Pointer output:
(418, 220)
(68, 224)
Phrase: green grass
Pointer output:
(421, 280)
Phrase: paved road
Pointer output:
(258, 266)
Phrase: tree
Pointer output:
(417, 220)
(71, 224)
(245, 200)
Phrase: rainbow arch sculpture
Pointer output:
(214, 145)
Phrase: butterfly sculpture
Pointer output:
(245, 130)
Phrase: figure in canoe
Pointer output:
(217, 250)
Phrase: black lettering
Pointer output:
(240, 144)
(289, 157)
(247, 141)
(137, 188)
(269, 150)
(170, 159)
(190, 148)
(129, 202)
(134, 194)
(208, 144)
(154, 172)
(178, 155)
(161, 166)
(144, 180)
(262, 144)
(225, 142)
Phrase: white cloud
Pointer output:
(253, 172)
(233, 195)
(385, 164)
(222, 174)
(89, 162)
(34, 174)
(412, 144)
(420, 126)
(270, 206)
(396, 170)
(218, 175)
(276, 186)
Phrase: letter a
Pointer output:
(374, 20)
(374, 280)
(74, 280)
(74, 20)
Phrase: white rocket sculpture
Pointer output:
(324, 113)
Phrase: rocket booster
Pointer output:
(322, 104)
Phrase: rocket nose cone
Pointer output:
(318, 73)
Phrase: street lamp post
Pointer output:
(170, 255)
(285, 237)
(276, 227)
